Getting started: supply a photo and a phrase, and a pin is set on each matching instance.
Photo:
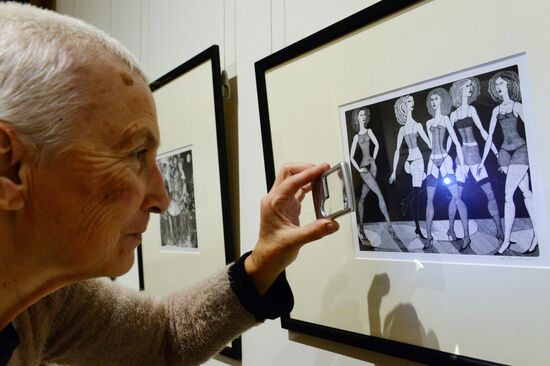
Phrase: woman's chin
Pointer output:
(121, 265)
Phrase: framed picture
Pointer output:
(439, 108)
(411, 201)
(193, 238)
(178, 225)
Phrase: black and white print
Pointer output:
(178, 225)
(442, 167)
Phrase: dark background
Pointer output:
(385, 127)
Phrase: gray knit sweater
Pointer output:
(100, 323)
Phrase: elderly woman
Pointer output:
(78, 181)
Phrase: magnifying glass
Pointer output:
(333, 192)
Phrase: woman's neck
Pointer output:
(24, 279)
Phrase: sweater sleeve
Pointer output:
(99, 322)
(278, 299)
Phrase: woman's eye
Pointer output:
(140, 154)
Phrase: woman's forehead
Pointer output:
(120, 104)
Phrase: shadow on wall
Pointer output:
(401, 324)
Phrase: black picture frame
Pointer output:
(211, 54)
(366, 17)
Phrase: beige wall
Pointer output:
(163, 34)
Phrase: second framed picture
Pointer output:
(178, 225)
(440, 109)
(193, 238)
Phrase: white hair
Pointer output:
(41, 53)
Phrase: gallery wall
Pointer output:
(163, 34)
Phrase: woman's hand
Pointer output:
(478, 170)
(281, 235)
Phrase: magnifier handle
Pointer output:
(321, 192)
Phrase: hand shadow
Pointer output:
(402, 323)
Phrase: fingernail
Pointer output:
(332, 226)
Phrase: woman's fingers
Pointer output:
(314, 231)
(288, 170)
(300, 195)
(289, 186)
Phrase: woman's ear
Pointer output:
(12, 157)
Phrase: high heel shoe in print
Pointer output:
(503, 248)
(428, 243)
(534, 245)
(465, 244)
(452, 236)
(533, 249)
(419, 233)
(364, 241)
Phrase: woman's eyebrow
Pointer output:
(133, 136)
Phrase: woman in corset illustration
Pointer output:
(504, 87)
(367, 167)
(464, 118)
(440, 164)
(414, 165)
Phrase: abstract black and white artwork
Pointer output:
(442, 167)
(178, 225)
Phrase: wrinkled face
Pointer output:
(435, 101)
(362, 117)
(501, 86)
(467, 88)
(91, 203)
(409, 103)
